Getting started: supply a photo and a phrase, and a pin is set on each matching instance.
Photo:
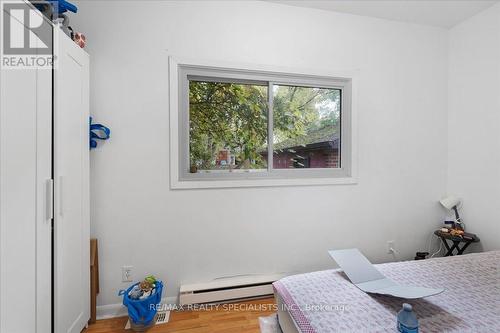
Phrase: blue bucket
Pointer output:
(142, 311)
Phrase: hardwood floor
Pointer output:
(228, 318)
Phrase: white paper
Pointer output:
(367, 278)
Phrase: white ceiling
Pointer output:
(441, 13)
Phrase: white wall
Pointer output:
(474, 123)
(198, 235)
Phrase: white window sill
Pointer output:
(243, 183)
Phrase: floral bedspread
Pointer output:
(327, 301)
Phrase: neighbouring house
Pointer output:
(223, 157)
(319, 149)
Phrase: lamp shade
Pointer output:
(450, 202)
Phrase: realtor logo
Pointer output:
(27, 39)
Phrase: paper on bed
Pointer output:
(367, 278)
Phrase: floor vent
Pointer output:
(162, 317)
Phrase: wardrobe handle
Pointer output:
(49, 193)
(60, 196)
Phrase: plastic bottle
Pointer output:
(407, 320)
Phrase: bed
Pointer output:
(327, 301)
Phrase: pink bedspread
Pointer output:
(327, 301)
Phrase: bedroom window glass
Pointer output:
(227, 126)
(239, 124)
(306, 127)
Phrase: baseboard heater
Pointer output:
(228, 289)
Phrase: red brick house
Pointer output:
(319, 149)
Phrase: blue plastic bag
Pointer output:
(142, 311)
(95, 130)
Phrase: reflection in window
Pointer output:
(306, 127)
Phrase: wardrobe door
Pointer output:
(25, 196)
(71, 183)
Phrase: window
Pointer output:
(234, 125)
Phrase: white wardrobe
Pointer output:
(44, 193)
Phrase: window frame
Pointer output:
(180, 74)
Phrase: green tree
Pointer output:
(299, 110)
(226, 115)
(234, 116)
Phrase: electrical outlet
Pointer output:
(391, 246)
(127, 273)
